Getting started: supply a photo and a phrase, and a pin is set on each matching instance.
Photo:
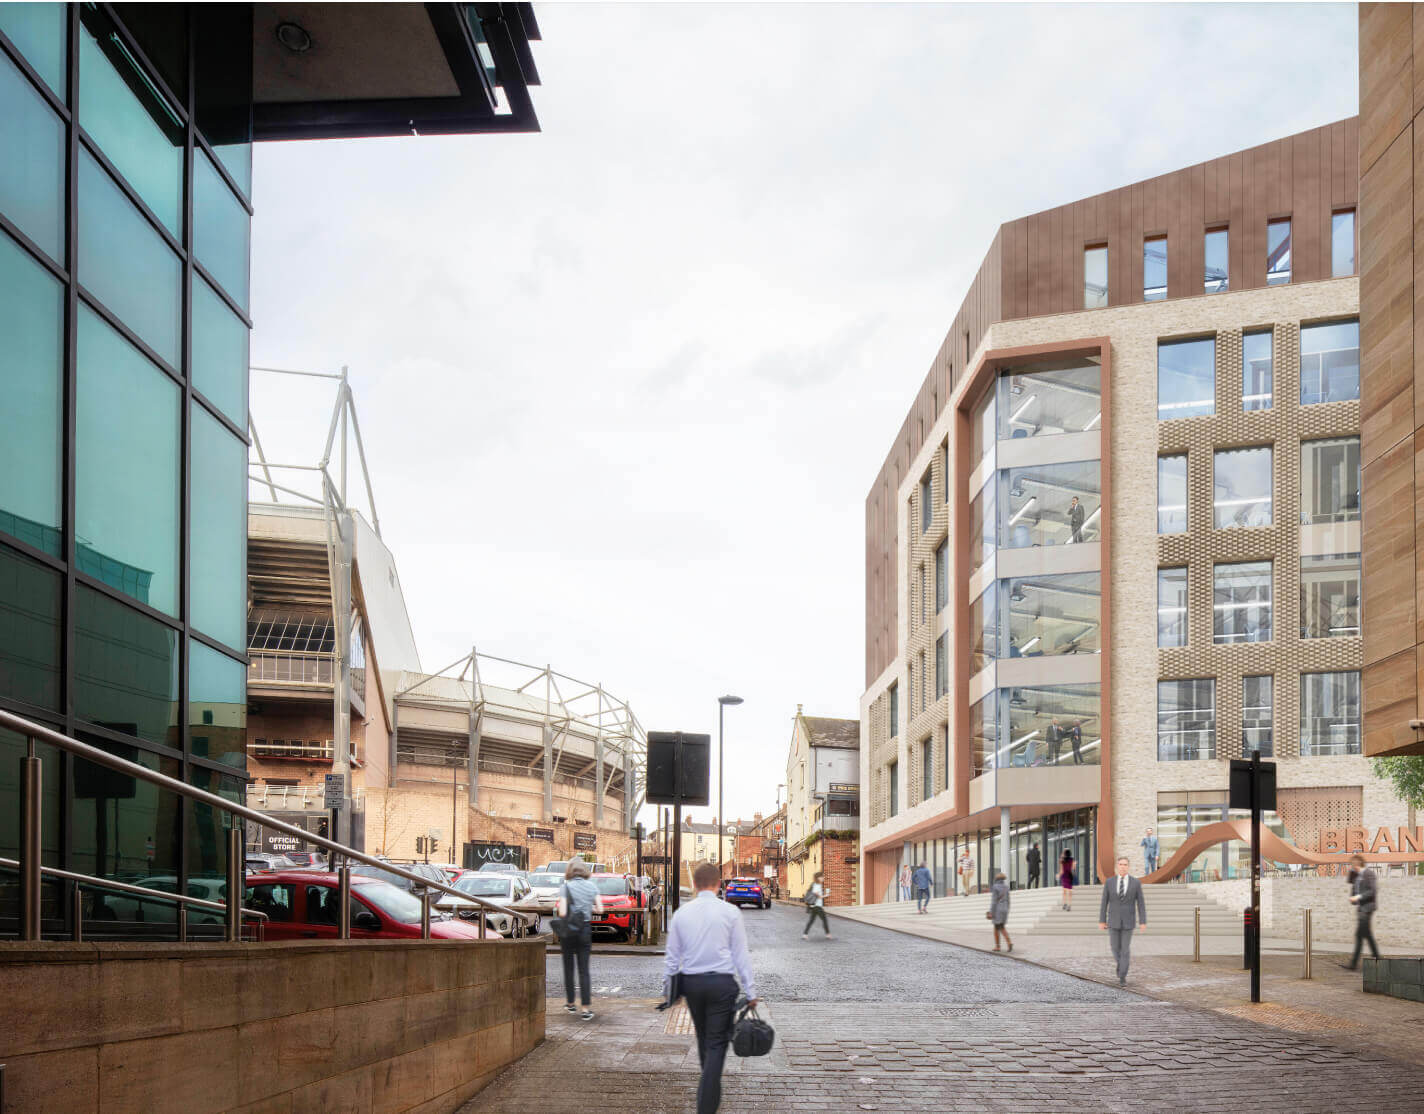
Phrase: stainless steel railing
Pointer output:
(183, 901)
(32, 869)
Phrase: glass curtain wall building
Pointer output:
(126, 137)
(125, 210)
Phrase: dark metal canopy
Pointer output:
(323, 71)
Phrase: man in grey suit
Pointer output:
(1123, 909)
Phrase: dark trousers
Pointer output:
(1032, 879)
(576, 951)
(922, 898)
(711, 1000)
(817, 911)
(1077, 750)
(1363, 932)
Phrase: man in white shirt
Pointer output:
(706, 945)
(1123, 909)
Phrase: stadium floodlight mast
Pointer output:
(722, 702)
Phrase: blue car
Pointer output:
(746, 891)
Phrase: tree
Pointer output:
(1406, 774)
(392, 818)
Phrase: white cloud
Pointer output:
(625, 384)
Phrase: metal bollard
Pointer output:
(343, 902)
(1306, 956)
(76, 898)
(425, 915)
(236, 881)
(30, 862)
(1196, 936)
(182, 924)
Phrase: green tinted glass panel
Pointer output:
(220, 353)
(127, 828)
(217, 705)
(220, 230)
(218, 531)
(126, 451)
(32, 184)
(12, 750)
(126, 264)
(125, 670)
(38, 31)
(29, 631)
(119, 108)
(207, 833)
(32, 325)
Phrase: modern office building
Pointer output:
(1391, 379)
(1148, 406)
(126, 136)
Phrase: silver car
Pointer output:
(506, 890)
(544, 891)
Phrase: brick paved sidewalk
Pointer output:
(913, 1059)
(1332, 1000)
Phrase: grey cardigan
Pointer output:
(999, 902)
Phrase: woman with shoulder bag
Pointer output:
(578, 902)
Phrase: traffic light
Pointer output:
(434, 844)
(419, 845)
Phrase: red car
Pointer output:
(622, 901)
(302, 905)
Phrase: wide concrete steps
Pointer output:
(1170, 912)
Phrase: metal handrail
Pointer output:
(181, 900)
(31, 867)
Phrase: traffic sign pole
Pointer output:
(1256, 876)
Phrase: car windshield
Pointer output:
(396, 904)
(365, 870)
(483, 887)
(611, 887)
(546, 879)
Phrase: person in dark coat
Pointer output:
(1364, 892)
(999, 910)
(1035, 861)
(1075, 518)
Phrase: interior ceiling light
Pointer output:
(294, 37)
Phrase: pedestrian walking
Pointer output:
(924, 883)
(1122, 910)
(1364, 896)
(999, 910)
(1150, 849)
(1066, 879)
(1075, 518)
(965, 871)
(1075, 736)
(1035, 861)
(578, 902)
(706, 948)
(816, 902)
(905, 882)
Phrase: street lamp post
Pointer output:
(722, 702)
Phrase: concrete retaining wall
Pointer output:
(277, 1028)
(1396, 922)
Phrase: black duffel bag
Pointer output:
(752, 1036)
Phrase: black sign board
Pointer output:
(851, 860)
(1240, 795)
(585, 841)
(546, 834)
(679, 768)
(655, 860)
(504, 854)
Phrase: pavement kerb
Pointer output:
(1004, 955)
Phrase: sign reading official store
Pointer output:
(546, 834)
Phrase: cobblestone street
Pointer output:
(876, 1020)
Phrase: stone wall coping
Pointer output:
(95, 951)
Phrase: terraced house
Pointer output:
(1117, 540)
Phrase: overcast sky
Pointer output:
(624, 384)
